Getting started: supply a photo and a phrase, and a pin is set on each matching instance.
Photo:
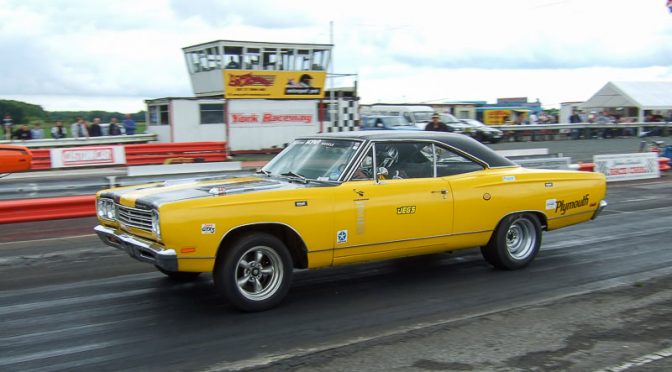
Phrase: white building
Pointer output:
(254, 96)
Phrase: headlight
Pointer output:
(105, 208)
(156, 226)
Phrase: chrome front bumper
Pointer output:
(140, 250)
(600, 208)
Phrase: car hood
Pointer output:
(155, 194)
(489, 130)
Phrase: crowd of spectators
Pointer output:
(78, 129)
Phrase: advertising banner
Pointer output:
(273, 84)
(626, 167)
(87, 156)
(496, 117)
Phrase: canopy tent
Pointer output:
(644, 96)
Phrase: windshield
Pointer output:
(397, 121)
(448, 118)
(313, 159)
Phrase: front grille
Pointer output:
(134, 217)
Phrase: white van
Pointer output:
(417, 115)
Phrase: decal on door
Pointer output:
(410, 209)
(342, 236)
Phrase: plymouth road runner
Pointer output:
(344, 198)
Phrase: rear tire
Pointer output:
(255, 272)
(515, 243)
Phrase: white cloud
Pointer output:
(67, 53)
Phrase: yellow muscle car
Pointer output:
(343, 198)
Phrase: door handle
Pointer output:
(443, 192)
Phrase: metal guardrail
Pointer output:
(91, 141)
(585, 130)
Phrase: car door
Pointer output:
(406, 210)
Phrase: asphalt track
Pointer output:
(598, 297)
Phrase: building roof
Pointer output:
(646, 95)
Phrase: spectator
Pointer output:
(58, 131)
(7, 126)
(95, 130)
(575, 118)
(129, 125)
(519, 119)
(23, 133)
(436, 125)
(37, 132)
(604, 118)
(232, 64)
(534, 119)
(114, 129)
(79, 129)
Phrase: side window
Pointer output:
(449, 163)
(364, 170)
(404, 160)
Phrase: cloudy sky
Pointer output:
(112, 55)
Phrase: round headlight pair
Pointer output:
(105, 209)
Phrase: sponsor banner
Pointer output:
(273, 84)
(496, 117)
(87, 156)
(272, 113)
(626, 167)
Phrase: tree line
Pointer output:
(26, 113)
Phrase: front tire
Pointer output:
(515, 243)
(255, 272)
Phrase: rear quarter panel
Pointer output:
(560, 198)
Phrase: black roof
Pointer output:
(457, 141)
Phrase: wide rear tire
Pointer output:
(255, 272)
(515, 243)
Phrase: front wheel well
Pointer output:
(288, 236)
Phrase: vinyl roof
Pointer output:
(458, 141)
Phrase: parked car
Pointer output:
(14, 158)
(482, 132)
(455, 124)
(382, 122)
(414, 114)
(344, 198)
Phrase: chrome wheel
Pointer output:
(521, 238)
(515, 242)
(259, 273)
